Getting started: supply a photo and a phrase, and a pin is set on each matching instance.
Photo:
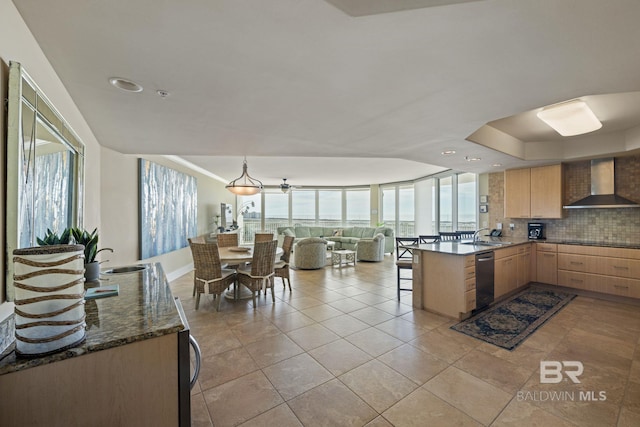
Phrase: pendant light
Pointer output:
(245, 185)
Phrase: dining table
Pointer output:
(238, 256)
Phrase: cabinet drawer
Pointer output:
(598, 283)
(469, 261)
(546, 247)
(524, 249)
(470, 284)
(470, 300)
(470, 273)
(619, 267)
(578, 263)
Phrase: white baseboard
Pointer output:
(171, 276)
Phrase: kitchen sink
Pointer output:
(126, 269)
(485, 243)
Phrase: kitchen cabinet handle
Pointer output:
(576, 263)
(549, 255)
(198, 355)
(621, 287)
(577, 280)
(620, 267)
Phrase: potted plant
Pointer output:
(90, 242)
(52, 238)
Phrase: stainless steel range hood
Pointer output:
(603, 189)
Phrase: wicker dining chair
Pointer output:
(263, 237)
(209, 271)
(226, 240)
(281, 268)
(259, 275)
(197, 239)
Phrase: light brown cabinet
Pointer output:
(506, 271)
(533, 192)
(547, 263)
(448, 283)
(613, 271)
(517, 193)
(523, 265)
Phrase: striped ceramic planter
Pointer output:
(49, 298)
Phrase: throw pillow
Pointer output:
(288, 232)
(337, 233)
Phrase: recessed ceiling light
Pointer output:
(448, 152)
(496, 165)
(570, 118)
(124, 84)
(472, 159)
(162, 93)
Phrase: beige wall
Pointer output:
(119, 200)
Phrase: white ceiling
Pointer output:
(289, 83)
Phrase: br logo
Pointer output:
(551, 371)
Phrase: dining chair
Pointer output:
(260, 273)
(226, 240)
(209, 271)
(404, 258)
(263, 237)
(281, 267)
(449, 236)
(197, 239)
(429, 238)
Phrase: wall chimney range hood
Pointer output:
(603, 188)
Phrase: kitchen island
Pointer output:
(124, 373)
(444, 273)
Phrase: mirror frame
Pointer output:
(48, 116)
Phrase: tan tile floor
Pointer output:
(340, 350)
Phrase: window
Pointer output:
(406, 209)
(357, 209)
(389, 207)
(446, 204)
(467, 202)
(303, 207)
(249, 216)
(330, 208)
(276, 210)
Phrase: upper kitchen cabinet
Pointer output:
(533, 192)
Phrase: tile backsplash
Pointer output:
(619, 225)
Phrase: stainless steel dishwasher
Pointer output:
(484, 279)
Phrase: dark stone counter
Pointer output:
(144, 308)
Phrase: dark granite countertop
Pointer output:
(462, 248)
(144, 308)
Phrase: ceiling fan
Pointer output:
(285, 187)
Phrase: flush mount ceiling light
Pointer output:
(472, 159)
(245, 185)
(448, 152)
(570, 118)
(124, 84)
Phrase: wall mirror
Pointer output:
(45, 168)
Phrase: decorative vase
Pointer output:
(49, 298)
(92, 271)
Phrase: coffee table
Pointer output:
(343, 257)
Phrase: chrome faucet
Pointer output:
(477, 233)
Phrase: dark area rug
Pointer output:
(510, 322)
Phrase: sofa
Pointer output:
(345, 237)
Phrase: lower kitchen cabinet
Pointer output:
(523, 265)
(547, 263)
(614, 271)
(506, 271)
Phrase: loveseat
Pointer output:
(345, 237)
